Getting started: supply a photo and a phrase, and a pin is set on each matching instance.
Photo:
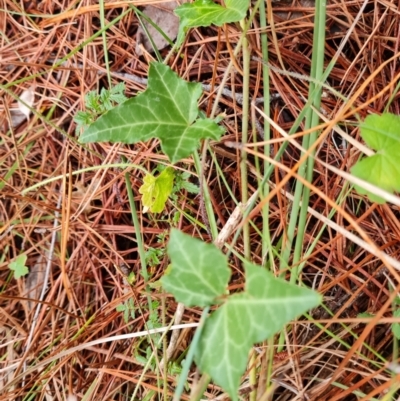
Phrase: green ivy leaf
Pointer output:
(381, 133)
(258, 313)
(206, 13)
(18, 266)
(166, 110)
(155, 190)
(199, 273)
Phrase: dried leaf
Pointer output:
(163, 16)
(84, 195)
(20, 114)
(34, 281)
(28, 98)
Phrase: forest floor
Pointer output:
(73, 221)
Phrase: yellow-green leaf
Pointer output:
(155, 190)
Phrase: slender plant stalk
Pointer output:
(312, 120)
(198, 164)
(266, 237)
(190, 355)
(206, 197)
(139, 240)
(253, 374)
(202, 384)
(165, 347)
(245, 137)
(104, 37)
(302, 193)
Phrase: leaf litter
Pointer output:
(349, 277)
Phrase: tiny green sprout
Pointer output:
(18, 266)
(128, 309)
(153, 255)
(396, 326)
(98, 104)
(131, 278)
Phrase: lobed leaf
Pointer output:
(258, 313)
(206, 13)
(199, 272)
(381, 133)
(166, 110)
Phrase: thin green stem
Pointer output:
(190, 356)
(312, 120)
(104, 37)
(206, 197)
(139, 239)
(245, 138)
(201, 386)
(266, 237)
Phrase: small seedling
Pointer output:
(128, 308)
(153, 256)
(98, 104)
(182, 183)
(18, 266)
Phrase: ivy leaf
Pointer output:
(199, 272)
(166, 110)
(18, 266)
(381, 133)
(206, 13)
(155, 190)
(247, 318)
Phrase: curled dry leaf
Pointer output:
(163, 16)
(84, 195)
(20, 114)
(34, 281)
(27, 98)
